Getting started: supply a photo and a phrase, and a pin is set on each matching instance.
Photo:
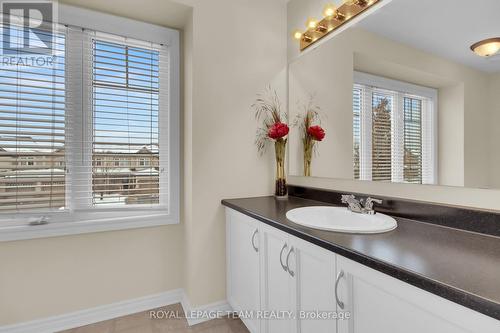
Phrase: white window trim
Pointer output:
(82, 221)
(365, 156)
(395, 85)
(431, 154)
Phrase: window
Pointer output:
(32, 133)
(26, 161)
(413, 151)
(72, 137)
(393, 131)
(125, 100)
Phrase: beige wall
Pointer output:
(229, 66)
(494, 128)
(52, 276)
(471, 149)
(233, 48)
(477, 133)
(326, 74)
(451, 122)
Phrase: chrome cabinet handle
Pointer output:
(292, 273)
(339, 302)
(285, 268)
(253, 240)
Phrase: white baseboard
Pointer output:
(204, 313)
(110, 311)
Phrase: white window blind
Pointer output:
(356, 122)
(121, 139)
(125, 122)
(382, 104)
(393, 131)
(413, 140)
(32, 130)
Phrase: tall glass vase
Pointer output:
(281, 190)
(308, 151)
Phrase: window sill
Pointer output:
(26, 232)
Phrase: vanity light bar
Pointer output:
(333, 19)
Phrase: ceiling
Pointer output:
(446, 28)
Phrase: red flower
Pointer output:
(316, 132)
(278, 130)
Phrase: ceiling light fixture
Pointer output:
(334, 17)
(487, 47)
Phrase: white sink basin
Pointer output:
(340, 219)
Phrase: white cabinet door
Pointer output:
(243, 261)
(276, 283)
(314, 277)
(380, 303)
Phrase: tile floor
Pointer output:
(142, 323)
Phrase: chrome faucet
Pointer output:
(368, 205)
(360, 206)
(353, 204)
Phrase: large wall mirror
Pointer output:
(403, 98)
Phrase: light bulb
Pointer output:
(311, 23)
(297, 34)
(329, 10)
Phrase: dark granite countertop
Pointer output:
(461, 266)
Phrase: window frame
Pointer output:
(404, 89)
(80, 219)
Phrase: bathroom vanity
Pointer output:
(419, 277)
(405, 107)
